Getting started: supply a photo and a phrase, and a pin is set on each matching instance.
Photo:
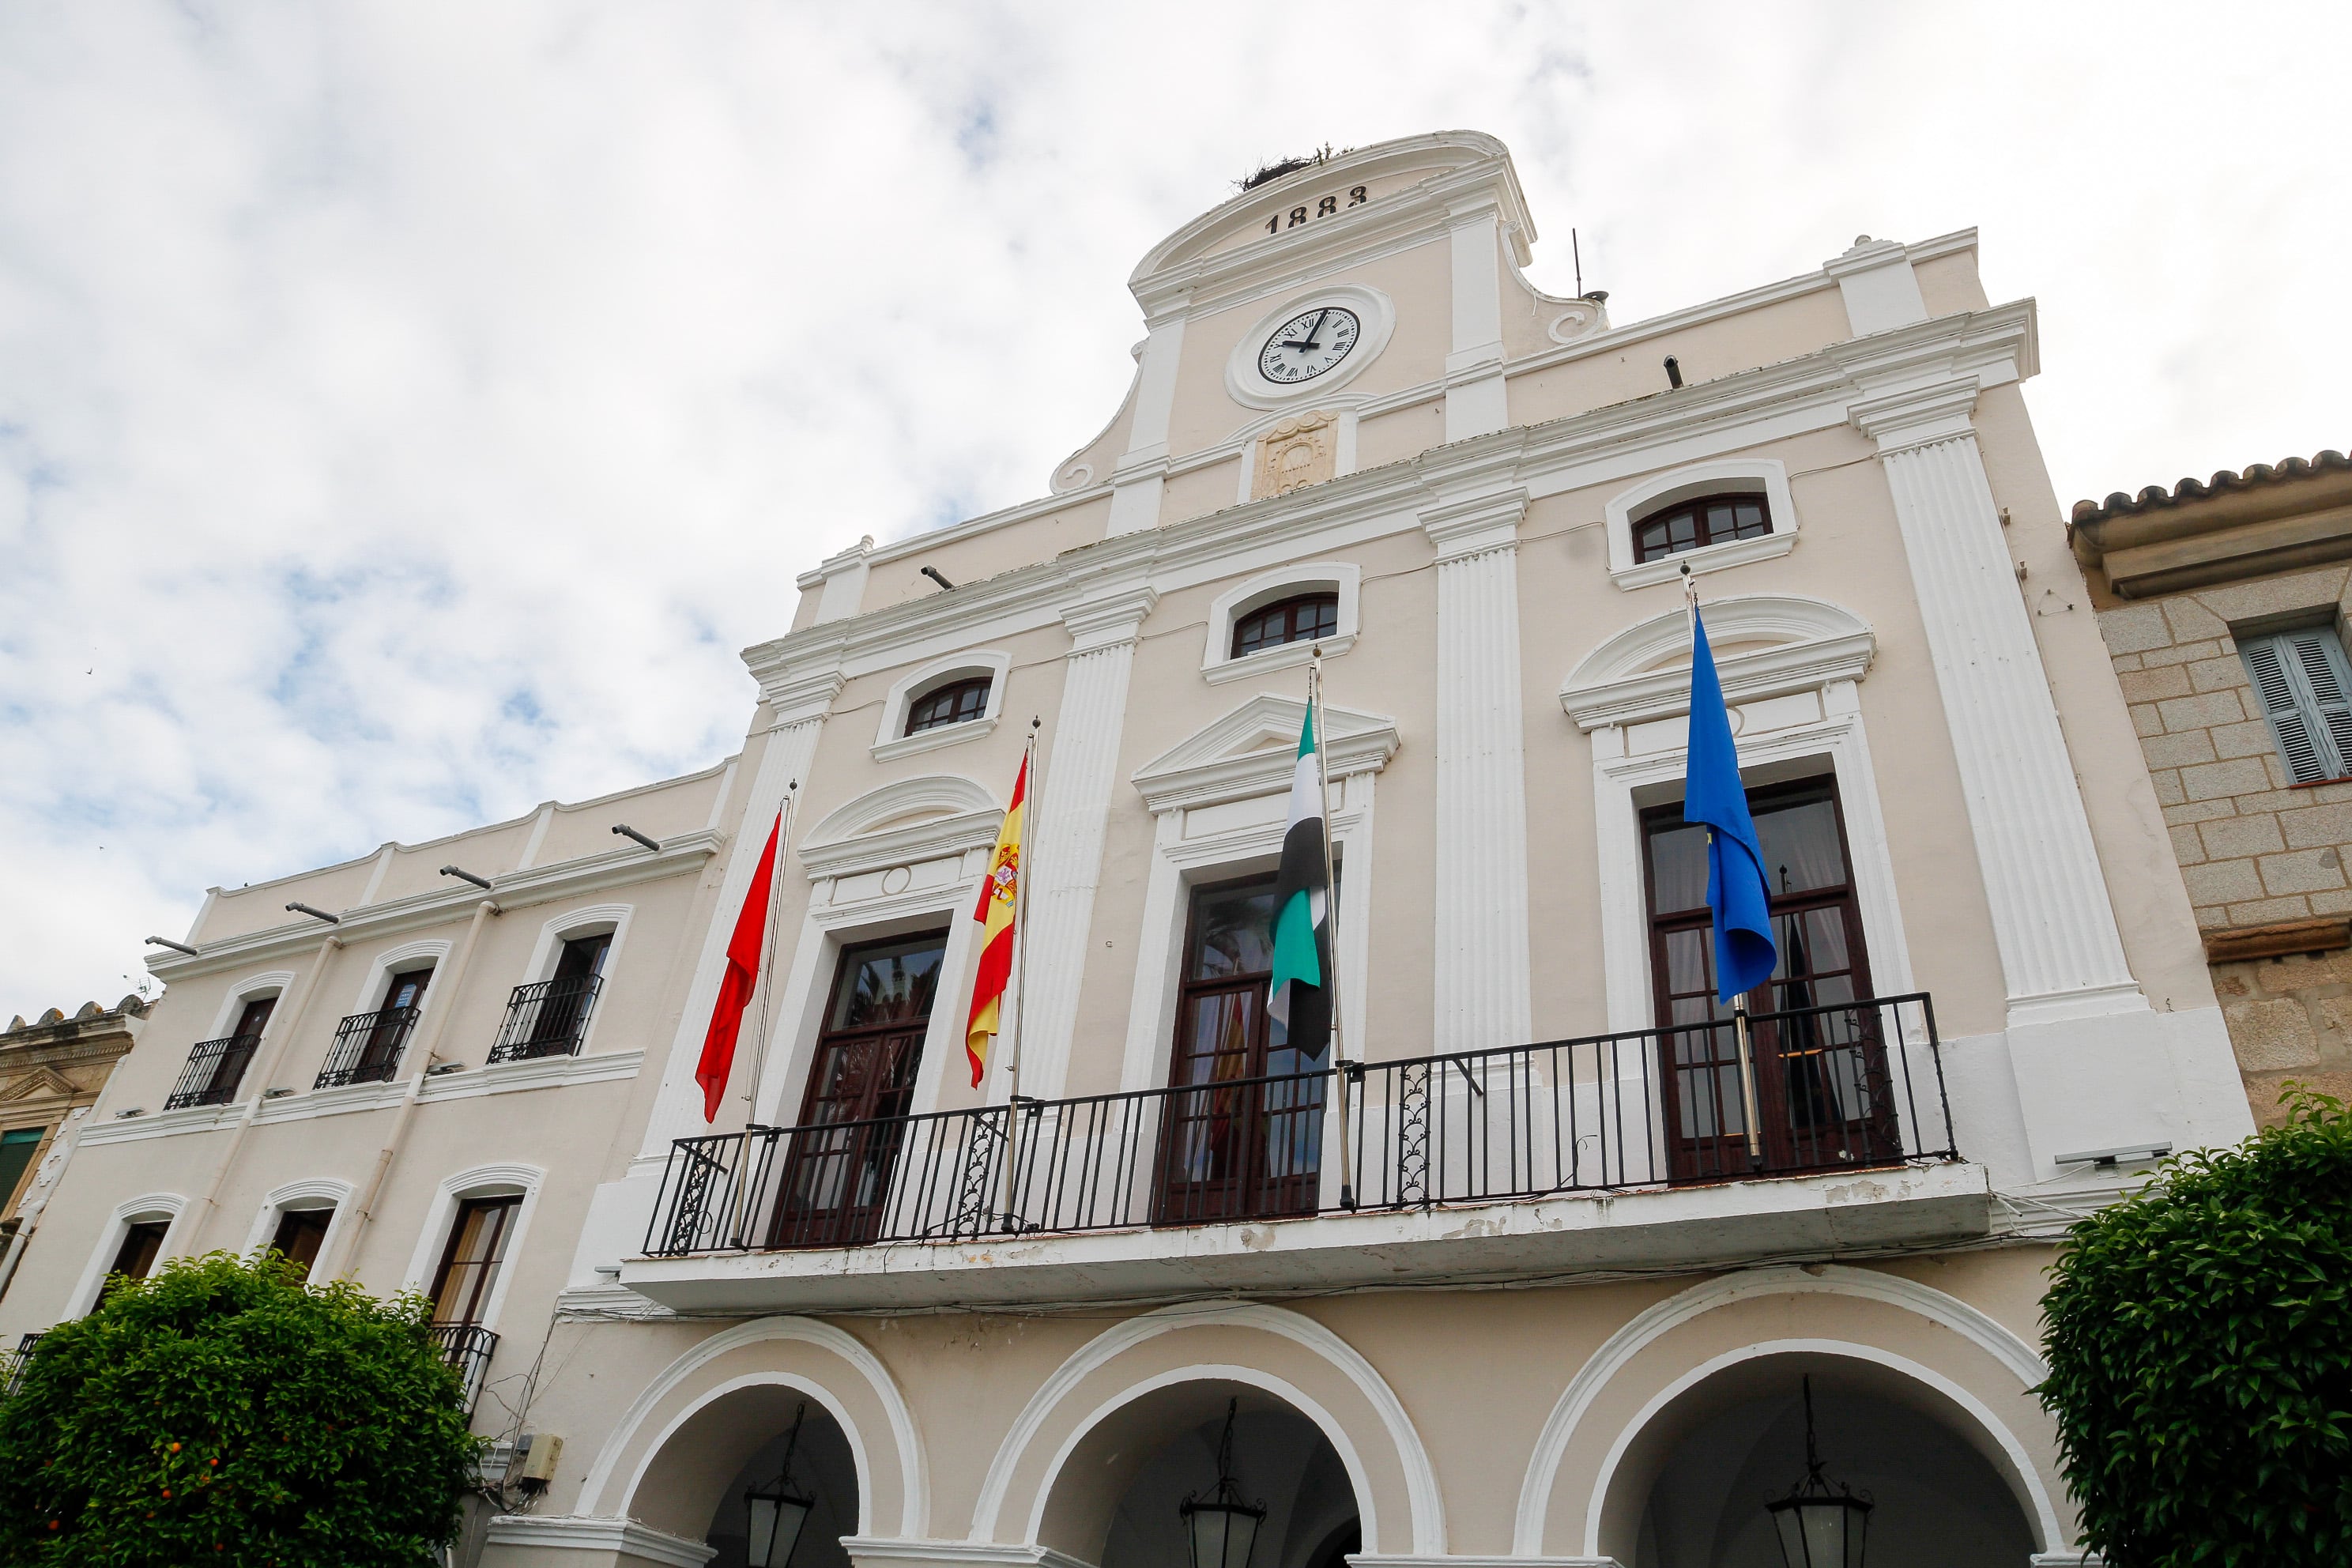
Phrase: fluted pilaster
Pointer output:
(789, 749)
(1481, 985)
(1080, 770)
(2055, 924)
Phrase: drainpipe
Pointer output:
(364, 1211)
(305, 988)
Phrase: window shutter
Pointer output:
(2306, 692)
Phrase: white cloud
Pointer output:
(408, 410)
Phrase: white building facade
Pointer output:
(1519, 1278)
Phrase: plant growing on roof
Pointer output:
(2199, 1340)
(221, 1411)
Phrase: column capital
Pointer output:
(1108, 616)
(797, 696)
(1473, 525)
(1916, 416)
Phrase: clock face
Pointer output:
(1308, 344)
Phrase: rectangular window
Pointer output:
(17, 1147)
(2303, 682)
(142, 1243)
(477, 1250)
(300, 1233)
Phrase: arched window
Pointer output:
(1692, 525)
(1303, 619)
(956, 702)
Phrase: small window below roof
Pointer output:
(1309, 617)
(2305, 689)
(1695, 524)
(956, 702)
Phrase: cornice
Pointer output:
(679, 855)
(1969, 349)
(1918, 417)
(1195, 772)
(163, 1124)
(1476, 524)
(933, 840)
(607, 1537)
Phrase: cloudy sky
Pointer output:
(408, 410)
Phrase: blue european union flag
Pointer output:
(1737, 892)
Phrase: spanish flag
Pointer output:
(1000, 897)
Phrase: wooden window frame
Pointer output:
(486, 1281)
(1696, 507)
(1325, 601)
(924, 714)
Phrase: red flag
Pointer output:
(735, 985)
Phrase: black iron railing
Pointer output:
(367, 1048)
(214, 1069)
(547, 1019)
(19, 1361)
(467, 1348)
(1842, 1087)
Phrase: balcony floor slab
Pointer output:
(1553, 1237)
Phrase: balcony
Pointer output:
(467, 1348)
(548, 1019)
(1497, 1164)
(214, 1069)
(367, 1048)
(18, 1362)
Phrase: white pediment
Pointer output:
(900, 823)
(1766, 644)
(1253, 750)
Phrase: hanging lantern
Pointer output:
(776, 1511)
(1222, 1527)
(1818, 1526)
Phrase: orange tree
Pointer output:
(221, 1411)
(2200, 1341)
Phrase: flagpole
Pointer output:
(1739, 1003)
(1331, 919)
(759, 1039)
(1031, 791)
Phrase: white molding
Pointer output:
(906, 1441)
(540, 1072)
(1424, 1497)
(1643, 671)
(1375, 315)
(478, 1182)
(547, 952)
(858, 817)
(1977, 1328)
(380, 971)
(1253, 750)
(1360, 1480)
(884, 1549)
(569, 1532)
(252, 988)
(680, 855)
(1812, 392)
(891, 740)
(173, 1206)
(1344, 578)
(340, 1100)
(1767, 477)
(163, 1124)
(1837, 737)
(2044, 1520)
(278, 1201)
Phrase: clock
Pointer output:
(1308, 344)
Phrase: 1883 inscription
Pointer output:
(1323, 208)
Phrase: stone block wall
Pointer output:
(2253, 850)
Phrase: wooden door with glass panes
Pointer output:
(1241, 1138)
(839, 1157)
(1823, 1098)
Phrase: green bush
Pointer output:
(2199, 1340)
(222, 1412)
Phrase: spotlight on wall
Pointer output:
(934, 573)
(1674, 371)
(174, 946)
(464, 876)
(626, 831)
(302, 908)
